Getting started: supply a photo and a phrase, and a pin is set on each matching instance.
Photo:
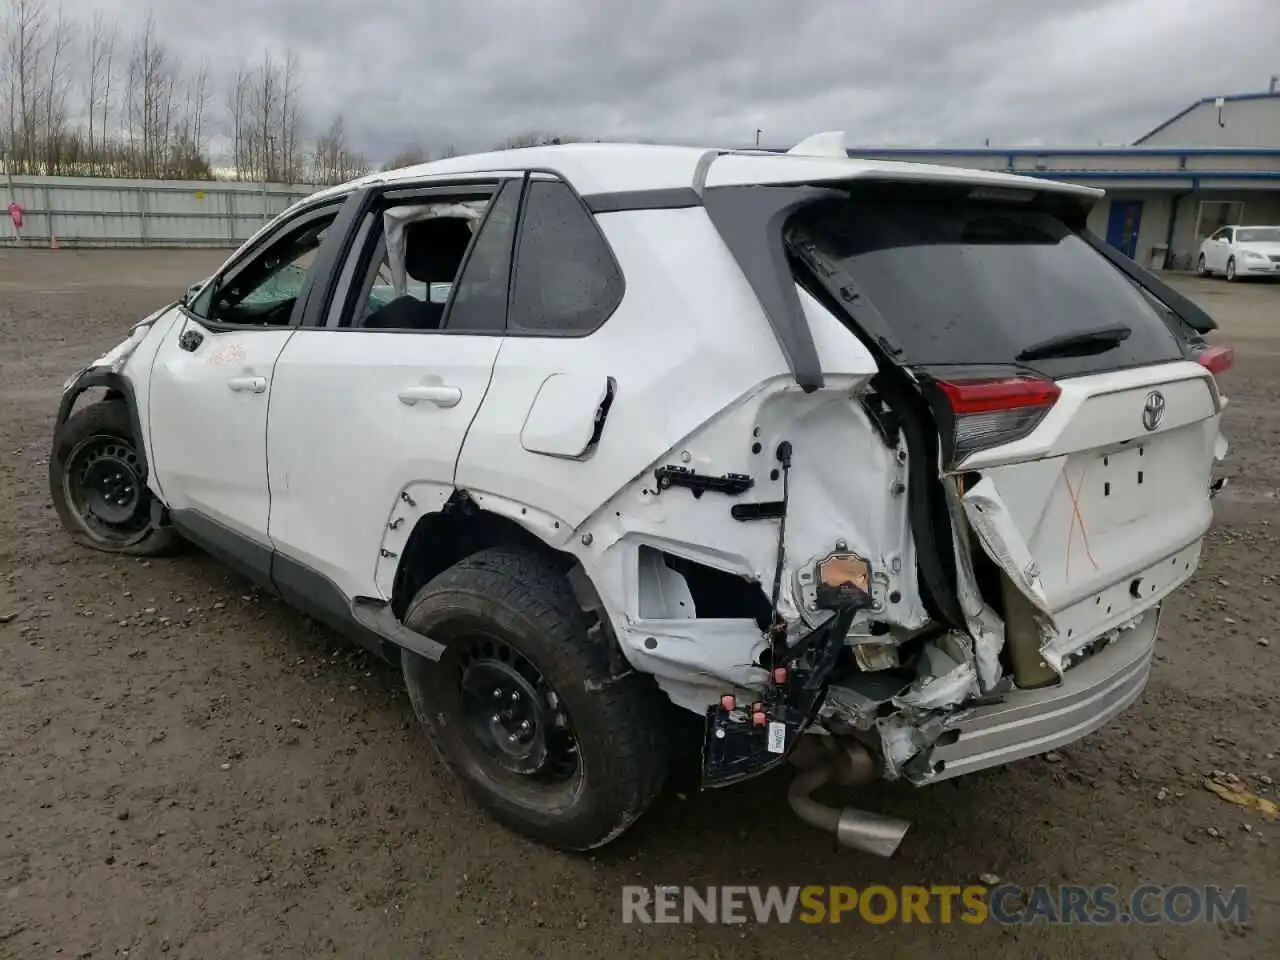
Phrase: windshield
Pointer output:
(962, 281)
(1258, 235)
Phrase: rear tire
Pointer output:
(1201, 269)
(96, 482)
(1231, 270)
(523, 707)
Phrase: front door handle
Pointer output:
(441, 396)
(248, 384)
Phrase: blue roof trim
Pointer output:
(1199, 103)
(871, 153)
(1194, 175)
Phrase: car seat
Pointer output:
(434, 250)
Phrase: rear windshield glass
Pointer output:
(977, 282)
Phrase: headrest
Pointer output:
(434, 249)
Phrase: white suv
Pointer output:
(881, 468)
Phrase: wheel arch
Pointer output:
(461, 528)
(118, 388)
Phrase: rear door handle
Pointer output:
(248, 384)
(441, 396)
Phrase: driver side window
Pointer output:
(262, 288)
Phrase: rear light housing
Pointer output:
(1216, 359)
(988, 412)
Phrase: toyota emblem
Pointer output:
(1153, 410)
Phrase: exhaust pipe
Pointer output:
(862, 830)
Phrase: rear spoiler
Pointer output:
(1191, 314)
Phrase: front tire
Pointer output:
(1202, 269)
(96, 480)
(1231, 270)
(523, 707)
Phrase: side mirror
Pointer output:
(192, 292)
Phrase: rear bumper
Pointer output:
(1028, 722)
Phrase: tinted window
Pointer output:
(480, 295)
(976, 282)
(566, 280)
(1258, 235)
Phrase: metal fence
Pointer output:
(93, 212)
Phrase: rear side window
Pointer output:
(977, 282)
(566, 279)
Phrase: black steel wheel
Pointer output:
(98, 483)
(524, 707)
(515, 716)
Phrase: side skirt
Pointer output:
(367, 621)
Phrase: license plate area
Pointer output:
(1123, 485)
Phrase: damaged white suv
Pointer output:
(878, 467)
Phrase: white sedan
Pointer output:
(1241, 252)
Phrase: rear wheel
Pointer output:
(523, 708)
(1231, 270)
(1201, 269)
(96, 479)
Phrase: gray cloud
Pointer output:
(713, 71)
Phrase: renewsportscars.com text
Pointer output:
(974, 904)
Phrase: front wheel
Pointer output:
(523, 707)
(97, 483)
(1201, 269)
(1231, 270)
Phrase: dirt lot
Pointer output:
(189, 769)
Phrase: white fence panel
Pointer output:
(102, 212)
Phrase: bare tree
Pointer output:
(410, 156)
(265, 109)
(532, 139)
(332, 161)
(238, 105)
(56, 90)
(108, 63)
(24, 43)
(290, 121)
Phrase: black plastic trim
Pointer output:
(750, 220)
(367, 621)
(672, 198)
(312, 308)
(87, 380)
(250, 558)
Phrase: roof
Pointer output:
(1230, 98)
(608, 168)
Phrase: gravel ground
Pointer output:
(189, 769)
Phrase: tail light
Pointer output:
(1216, 359)
(990, 412)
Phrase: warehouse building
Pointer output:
(1215, 163)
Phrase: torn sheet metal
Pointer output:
(990, 520)
(946, 676)
(985, 625)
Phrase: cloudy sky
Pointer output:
(889, 72)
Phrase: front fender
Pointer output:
(114, 383)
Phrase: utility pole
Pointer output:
(757, 138)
